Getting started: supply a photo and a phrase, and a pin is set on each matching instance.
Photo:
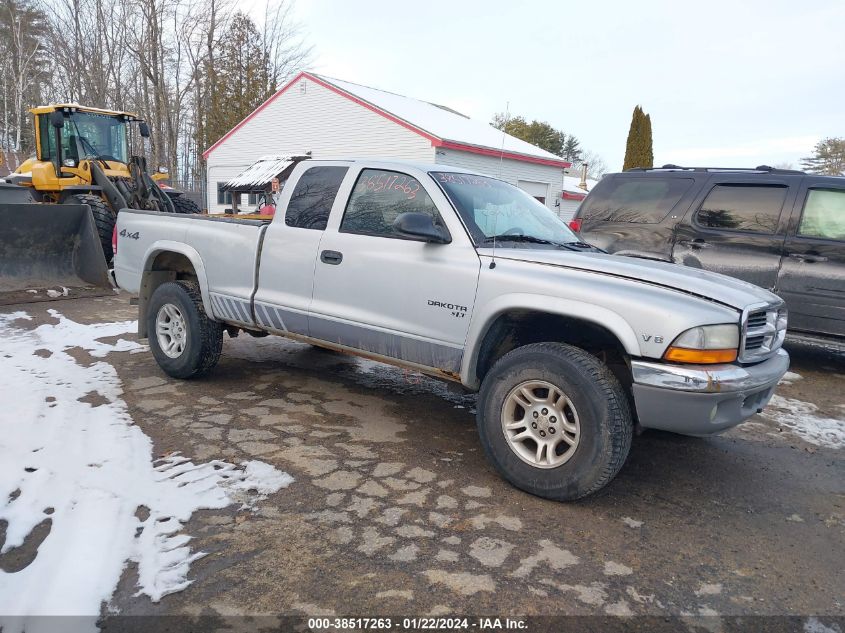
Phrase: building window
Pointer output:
(223, 197)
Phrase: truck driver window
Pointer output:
(312, 199)
(742, 208)
(379, 197)
(824, 214)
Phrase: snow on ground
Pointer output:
(85, 468)
(790, 377)
(800, 418)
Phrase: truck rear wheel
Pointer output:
(104, 218)
(183, 340)
(554, 421)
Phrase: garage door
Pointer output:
(539, 190)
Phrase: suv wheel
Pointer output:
(183, 340)
(554, 421)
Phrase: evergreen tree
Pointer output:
(639, 150)
(572, 149)
(241, 79)
(541, 134)
(828, 158)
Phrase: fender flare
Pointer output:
(168, 246)
(488, 314)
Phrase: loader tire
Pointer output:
(185, 342)
(182, 204)
(104, 218)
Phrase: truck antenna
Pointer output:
(501, 160)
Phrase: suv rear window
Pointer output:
(312, 199)
(636, 200)
(742, 208)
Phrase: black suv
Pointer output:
(780, 229)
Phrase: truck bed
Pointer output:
(202, 239)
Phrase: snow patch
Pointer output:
(801, 419)
(55, 294)
(90, 471)
(814, 625)
(790, 377)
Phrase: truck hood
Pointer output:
(720, 288)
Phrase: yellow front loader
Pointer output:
(58, 209)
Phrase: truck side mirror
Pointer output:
(57, 119)
(420, 226)
(144, 129)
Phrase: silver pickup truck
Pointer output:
(469, 279)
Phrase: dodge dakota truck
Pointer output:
(469, 279)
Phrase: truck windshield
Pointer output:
(492, 209)
(89, 135)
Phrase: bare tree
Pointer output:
(160, 59)
(22, 52)
(596, 167)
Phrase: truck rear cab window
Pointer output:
(634, 199)
(752, 208)
(824, 214)
(379, 197)
(312, 198)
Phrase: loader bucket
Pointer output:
(49, 245)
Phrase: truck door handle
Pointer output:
(810, 258)
(331, 257)
(695, 244)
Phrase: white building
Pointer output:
(332, 118)
(572, 195)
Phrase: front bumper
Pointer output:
(703, 399)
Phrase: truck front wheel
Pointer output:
(183, 340)
(554, 421)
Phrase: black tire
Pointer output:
(604, 416)
(104, 218)
(203, 338)
(182, 204)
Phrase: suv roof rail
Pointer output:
(758, 169)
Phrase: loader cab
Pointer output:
(68, 135)
(83, 135)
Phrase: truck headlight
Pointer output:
(705, 345)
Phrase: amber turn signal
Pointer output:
(700, 356)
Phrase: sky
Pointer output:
(734, 84)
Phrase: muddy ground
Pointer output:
(394, 509)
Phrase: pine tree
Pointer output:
(241, 79)
(828, 158)
(541, 134)
(639, 150)
(572, 149)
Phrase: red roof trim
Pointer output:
(486, 151)
(573, 196)
(435, 141)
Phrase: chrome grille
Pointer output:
(757, 319)
(763, 331)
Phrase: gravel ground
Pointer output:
(394, 510)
